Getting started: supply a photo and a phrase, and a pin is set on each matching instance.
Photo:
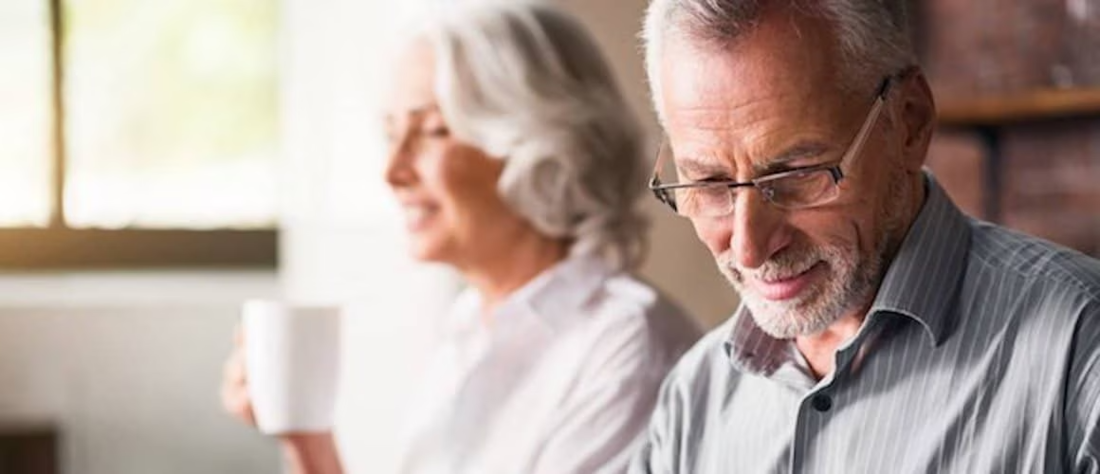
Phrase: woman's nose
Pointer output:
(399, 170)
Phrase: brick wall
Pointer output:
(1048, 171)
(1051, 176)
(993, 47)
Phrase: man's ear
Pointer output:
(918, 118)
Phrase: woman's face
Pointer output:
(447, 188)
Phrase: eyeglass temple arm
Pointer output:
(872, 119)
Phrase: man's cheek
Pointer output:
(714, 235)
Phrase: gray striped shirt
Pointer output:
(981, 353)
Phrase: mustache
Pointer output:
(784, 265)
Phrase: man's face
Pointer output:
(768, 103)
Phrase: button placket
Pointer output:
(815, 406)
(822, 403)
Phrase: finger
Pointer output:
(233, 370)
(231, 399)
(248, 415)
(235, 401)
(243, 410)
(233, 387)
(234, 367)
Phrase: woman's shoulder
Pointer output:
(628, 312)
(628, 296)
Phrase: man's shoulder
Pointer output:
(1026, 262)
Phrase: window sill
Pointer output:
(46, 249)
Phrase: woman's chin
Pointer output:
(425, 250)
(421, 254)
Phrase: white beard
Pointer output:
(849, 281)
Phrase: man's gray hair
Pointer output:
(527, 83)
(873, 36)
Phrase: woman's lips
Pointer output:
(787, 288)
(417, 217)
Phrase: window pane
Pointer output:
(25, 85)
(171, 109)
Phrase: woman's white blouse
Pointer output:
(563, 382)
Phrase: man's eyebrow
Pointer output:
(799, 151)
(699, 167)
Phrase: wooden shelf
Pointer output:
(1026, 107)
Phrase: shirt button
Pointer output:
(821, 403)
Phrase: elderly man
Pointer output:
(882, 330)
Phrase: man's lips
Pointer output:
(787, 288)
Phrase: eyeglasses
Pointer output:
(797, 188)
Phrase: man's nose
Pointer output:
(758, 229)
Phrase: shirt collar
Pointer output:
(750, 349)
(557, 296)
(551, 301)
(921, 283)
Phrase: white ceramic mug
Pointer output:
(292, 356)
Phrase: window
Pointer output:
(137, 133)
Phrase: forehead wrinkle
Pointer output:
(720, 125)
(757, 155)
(762, 143)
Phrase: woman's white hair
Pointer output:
(526, 82)
(872, 35)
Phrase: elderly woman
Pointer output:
(518, 163)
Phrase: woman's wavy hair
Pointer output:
(526, 82)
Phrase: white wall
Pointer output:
(128, 365)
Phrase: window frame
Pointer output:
(58, 246)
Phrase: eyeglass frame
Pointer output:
(663, 191)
